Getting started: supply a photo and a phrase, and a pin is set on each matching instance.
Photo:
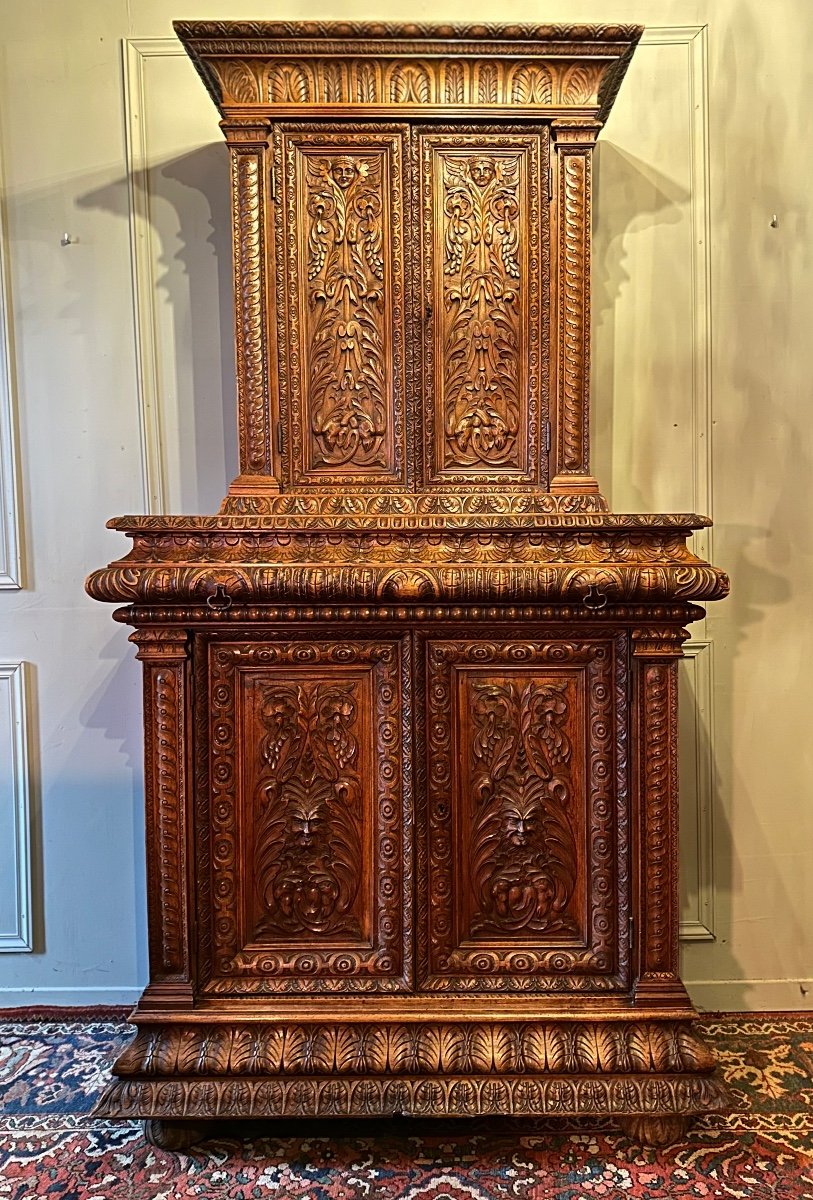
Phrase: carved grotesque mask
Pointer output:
(343, 172)
(481, 171)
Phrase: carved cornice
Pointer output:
(298, 69)
(204, 560)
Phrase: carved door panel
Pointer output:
(485, 267)
(303, 815)
(342, 313)
(524, 818)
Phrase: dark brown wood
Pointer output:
(410, 698)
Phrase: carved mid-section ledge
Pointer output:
(195, 561)
(318, 69)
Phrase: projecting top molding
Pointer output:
(530, 72)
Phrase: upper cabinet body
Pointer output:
(411, 222)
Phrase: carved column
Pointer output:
(248, 146)
(572, 145)
(165, 655)
(656, 654)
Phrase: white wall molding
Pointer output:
(10, 548)
(15, 813)
(136, 52)
(698, 665)
(695, 39)
(699, 658)
(752, 995)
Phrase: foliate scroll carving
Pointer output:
(512, 789)
(306, 798)
(523, 850)
(374, 583)
(342, 318)
(484, 246)
(481, 265)
(308, 855)
(346, 370)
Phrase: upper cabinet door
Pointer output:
(341, 315)
(484, 279)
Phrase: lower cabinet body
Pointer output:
(413, 865)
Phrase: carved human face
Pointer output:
(307, 825)
(481, 171)
(343, 172)
(520, 823)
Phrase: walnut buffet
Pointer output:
(410, 699)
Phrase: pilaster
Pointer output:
(165, 655)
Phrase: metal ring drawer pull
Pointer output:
(220, 600)
(594, 599)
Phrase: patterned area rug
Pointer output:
(52, 1073)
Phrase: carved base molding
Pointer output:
(652, 1097)
(655, 1074)
(416, 1048)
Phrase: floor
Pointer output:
(52, 1072)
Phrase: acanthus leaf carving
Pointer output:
(308, 856)
(346, 384)
(523, 853)
(481, 200)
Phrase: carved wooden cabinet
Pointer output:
(411, 697)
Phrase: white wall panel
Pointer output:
(15, 812)
(10, 548)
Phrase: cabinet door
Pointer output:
(342, 314)
(485, 270)
(523, 820)
(302, 815)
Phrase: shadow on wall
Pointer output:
(630, 196)
(185, 321)
(633, 197)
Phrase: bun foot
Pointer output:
(174, 1135)
(655, 1131)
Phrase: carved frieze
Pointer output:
(313, 68)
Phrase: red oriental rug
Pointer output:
(52, 1071)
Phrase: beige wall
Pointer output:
(120, 348)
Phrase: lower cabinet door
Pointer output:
(523, 817)
(303, 814)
